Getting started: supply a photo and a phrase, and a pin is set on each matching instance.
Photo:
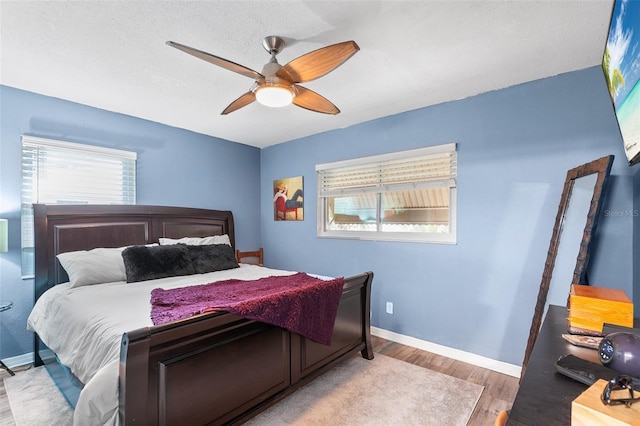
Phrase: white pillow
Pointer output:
(195, 241)
(97, 266)
(100, 265)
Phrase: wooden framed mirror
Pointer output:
(569, 249)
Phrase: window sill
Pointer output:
(430, 239)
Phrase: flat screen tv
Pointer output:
(621, 66)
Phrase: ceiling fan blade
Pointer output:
(308, 99)
(318, 63)
(242, 101)
(215, 60)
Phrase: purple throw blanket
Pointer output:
(300, 303)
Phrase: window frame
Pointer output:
(378, 235)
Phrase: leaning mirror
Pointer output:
(569, 249)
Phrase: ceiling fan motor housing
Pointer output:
(273, 44)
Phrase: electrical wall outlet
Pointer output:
(390, 308)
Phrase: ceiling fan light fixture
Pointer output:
(274, 93)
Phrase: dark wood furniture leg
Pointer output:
(3, 365)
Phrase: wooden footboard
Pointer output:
(219, 368)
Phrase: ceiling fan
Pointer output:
(277, 85)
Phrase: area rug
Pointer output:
(383, 391)
(35, 399)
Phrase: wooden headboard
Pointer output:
(64, 228)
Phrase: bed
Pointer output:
(211, 368)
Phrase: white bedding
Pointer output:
(84, 326)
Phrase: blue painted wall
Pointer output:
(514, 149)
(175, 167)
(514, 146)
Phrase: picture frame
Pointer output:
(288, 199)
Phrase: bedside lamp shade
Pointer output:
(4, 235)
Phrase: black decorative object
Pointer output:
(621, 351)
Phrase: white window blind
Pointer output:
(57, 172)
(376, 174)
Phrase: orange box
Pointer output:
(591, 307)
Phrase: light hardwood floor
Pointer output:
(499, 389)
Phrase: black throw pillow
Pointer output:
(212, 257)
(143, 263)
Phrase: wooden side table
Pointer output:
(5, 307)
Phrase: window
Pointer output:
(55, 172)
(403, 196)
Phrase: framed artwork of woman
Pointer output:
(288, 199)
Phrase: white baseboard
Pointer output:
(19, 360)
(477, 360)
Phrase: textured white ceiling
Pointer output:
(112, 55)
